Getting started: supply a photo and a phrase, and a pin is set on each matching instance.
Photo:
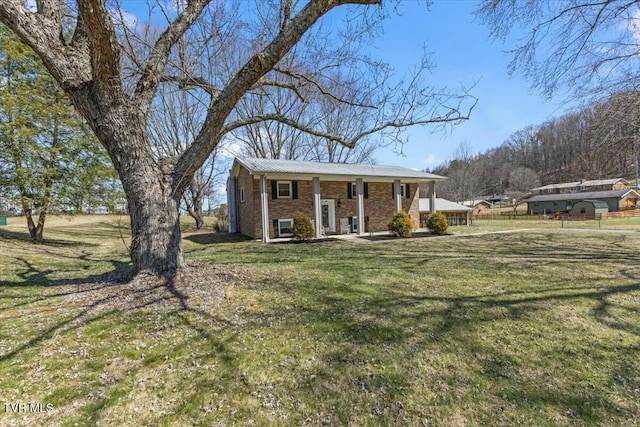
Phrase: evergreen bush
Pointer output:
(401, 224)
(302, 227)
(437, 223)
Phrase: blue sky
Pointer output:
(463, 53)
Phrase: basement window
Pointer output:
(285, 227)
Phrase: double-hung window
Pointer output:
(284, 190)
(405, 191)
(352, 190)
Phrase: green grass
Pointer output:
(525, 328)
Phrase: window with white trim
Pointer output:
(284, 190)
(354, 192)
(285, 227)
(403, 190)
(242, 195)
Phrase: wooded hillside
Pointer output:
(597, 142)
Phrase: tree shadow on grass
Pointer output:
(33, 276)
(368, 328)
(25, 237)
(216, 238)
(370, 347)
(391, 237)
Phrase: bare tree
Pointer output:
(462, 172)
(521, 181)
(176, 117)
(591, 47)
(616, 130)
(88, 64)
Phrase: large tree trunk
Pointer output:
(155, 229)
(153, 194)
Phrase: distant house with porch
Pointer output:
(265, 195)
(616, 200)
(479, 207)
(584, 185)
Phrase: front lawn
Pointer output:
(536, 328)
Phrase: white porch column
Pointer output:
(264, 204)
(432, 197)
(397, 191)
(360, 205)
(317, 208)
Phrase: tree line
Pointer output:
(597, 142)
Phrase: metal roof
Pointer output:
(594, 182)
(589, 195)
(596, 203)
(443, 205)
(304, 168)
(474, 203)
(589, 183)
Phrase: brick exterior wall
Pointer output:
(379, 206)
(248, 222)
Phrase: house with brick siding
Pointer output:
(264, 195)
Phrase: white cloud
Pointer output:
(432, 160)
(632, 24)
(230, 147)
(123, 18)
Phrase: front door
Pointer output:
(328, 215)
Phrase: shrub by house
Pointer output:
(401, 224)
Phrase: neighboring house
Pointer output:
(454, 213)
(264, 195)
(582, 186)
(616, 200)
(479, 207)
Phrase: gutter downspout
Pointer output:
(264, 208)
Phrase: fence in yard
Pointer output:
(504, 216)
(627, 213)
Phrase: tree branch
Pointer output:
(320, 88)
(52, 10)
(283, 85)
(454, 115)
(148, 83)
(191, 82)
(104, 48)
(42, 34)
(248, 75)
